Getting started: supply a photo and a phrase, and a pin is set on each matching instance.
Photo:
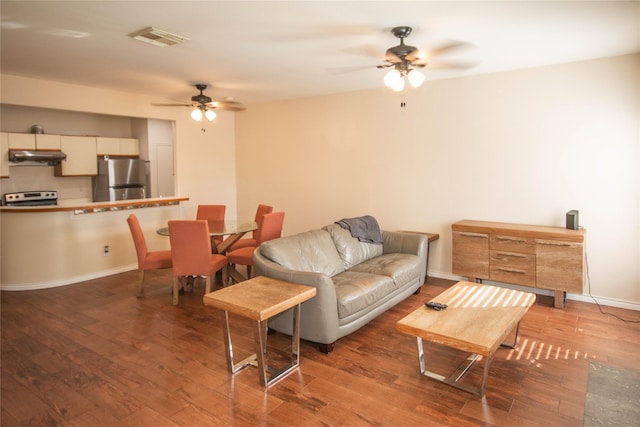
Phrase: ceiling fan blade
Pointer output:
(345, 70)
(172, 105)
(454, 65)
(226, 105)
(447, 48)
(369, 51)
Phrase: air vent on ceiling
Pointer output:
(158, 37)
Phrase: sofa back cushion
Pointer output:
(309, 251)
(350, 249)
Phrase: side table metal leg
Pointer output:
(295, 338)
(226, 332)
(261, 346)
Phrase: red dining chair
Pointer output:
(269, 227)
(146, 260)
(212, 213)
(251, 241)
(191, 254)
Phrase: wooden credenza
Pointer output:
(528, 255)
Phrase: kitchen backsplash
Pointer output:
(32, 178)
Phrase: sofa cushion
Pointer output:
(309, 251)
(401, 268)
(356, 291)
(350, 249)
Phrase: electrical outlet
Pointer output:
(105, 250)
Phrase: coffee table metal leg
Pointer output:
(454, 379)
(515, 338)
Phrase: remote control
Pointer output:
(436, 305)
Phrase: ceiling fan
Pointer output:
(203, 105)
(405, 59)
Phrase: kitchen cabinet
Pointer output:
(81, 154)
(4, 155)
(33, 141)
(528, 255)
(22, 141)
(47, 142)
(117, 146)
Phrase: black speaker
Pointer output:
(572, 220)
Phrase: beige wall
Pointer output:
(522, 147)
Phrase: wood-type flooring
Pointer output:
(92, 354)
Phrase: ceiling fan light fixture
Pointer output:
(196, 114)
(210, 115)
(394, 80)
(416, 78)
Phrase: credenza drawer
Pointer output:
(517, 276)
(513, 244)
(513, 260)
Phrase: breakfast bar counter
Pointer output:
(75, 241)
(79, 207)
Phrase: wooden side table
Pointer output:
(259, 299)
(431, 237)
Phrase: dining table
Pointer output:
(233, 229)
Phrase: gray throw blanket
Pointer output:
(364, 228)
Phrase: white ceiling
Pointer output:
(268, 50)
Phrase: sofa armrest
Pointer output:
(407, 243)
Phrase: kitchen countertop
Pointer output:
(80, 207)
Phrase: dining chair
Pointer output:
(212, 213)
(191, 254)
(146, 260)
(251, 241)
(269, 227)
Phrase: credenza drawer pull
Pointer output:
(555, 244)
(511, 239)
(508, 270)
(481, 236)
(510, 255)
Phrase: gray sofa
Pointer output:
(355, 281)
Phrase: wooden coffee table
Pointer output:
(259, 299)
(478, 320)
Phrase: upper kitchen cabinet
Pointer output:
(117, 146)
(47, 142)
(4, 152)
(81, 154)
(33, 141)
(22, 141)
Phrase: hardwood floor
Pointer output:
(93, 354)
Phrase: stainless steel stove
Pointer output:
(30, 198)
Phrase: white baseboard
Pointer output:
(610, 302)
(67, 281)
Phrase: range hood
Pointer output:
(29, 157)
